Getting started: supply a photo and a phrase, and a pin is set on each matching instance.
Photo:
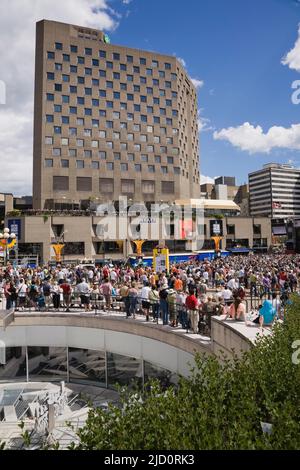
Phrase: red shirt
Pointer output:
(191, 302)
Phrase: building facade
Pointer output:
(275, 191)
(110, 121)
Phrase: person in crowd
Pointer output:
(192, 310)
(267, 314)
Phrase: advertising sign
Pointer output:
(14, 226)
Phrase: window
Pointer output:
(102, 73)
(176, 170)
(73, 110)
(58, 87)
(143, 80)
(79, 164)
(123, 125)
(109, 65)
(95, 62)
(130, 136)
(149, 91)
(144, 158)
(57, 108)
(80, 142)
(156, 120)
(66, 58)
(123, 105)
(123, 67)
(137, 127)
(117, 76)
(95, 144)
(49, 118)
(58, 67)
(116, 95)
(102, 134)
(109, 104)
(143, 99)
(127, 186)
(142, 61)
(81, 80)
(72, 152)
(117, 156)
(162, 111)
(65, 78)
(88, 111)
(102, 112)
(116, 56)
(137, 108)
(50, 55)
(88, 91)
(129, 58)
(123, 86)
(60, 183)
(102, 155)
(56, 152)
(143, 138)
(58, 46)
(157, 159)
(155, 82)
(95, 82)
(150, 109)
(164, 170)
(109, 145)
(95, 165)
(138, 168)
(102, 54)
(162, 74)
(50, 75)
(167, 187)
(109, 166)
(150, 129)
(137, 147)
(169, 140)
(123, 146)
(84, 183)
(57, 130)
(50, 97)
(64, 141)
(116, 135)
(73, 48)
(106, 185)
(80, 121)
(88, 71)
(130, 78)
(156, 139)
(109, 84)
(150, 148)
(151, 168)
(109, 124)
(167, 66)
(73, 89)
(65, 99)
(87, 132)
(156, 101)
(130, 157)
(48, 163)
(102, 93)
(136, 69)
(256, 229)
(116, 115)
(48, 140)
(230, 229)
(80, 60)
(124, 167)
(162, 92)
(149, 71)
(130, 116)
(143, 118)
(88, 153)
(136, 88)
(64, 163)
(88, 51)
(95, 122)
(168, 84)
(148, 187)
(95, 102)
(65, 119)
(73, 69)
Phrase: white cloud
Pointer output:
(292, 58)
(204, 123)
(253, 139)
(182, 61)
(206, 180)
(17, 44)
(127, 2)
(197, 83)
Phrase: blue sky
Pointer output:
(236, 48)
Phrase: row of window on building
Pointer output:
(107, 185)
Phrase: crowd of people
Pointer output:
(188, 296)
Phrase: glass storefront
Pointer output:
(47, 363)
(87, 366)
(123, 370)
(77, 365)
(15, 364)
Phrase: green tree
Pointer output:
(221, 406)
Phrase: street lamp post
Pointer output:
(7, 240)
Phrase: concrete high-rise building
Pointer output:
(275, 191)
(110, 121)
